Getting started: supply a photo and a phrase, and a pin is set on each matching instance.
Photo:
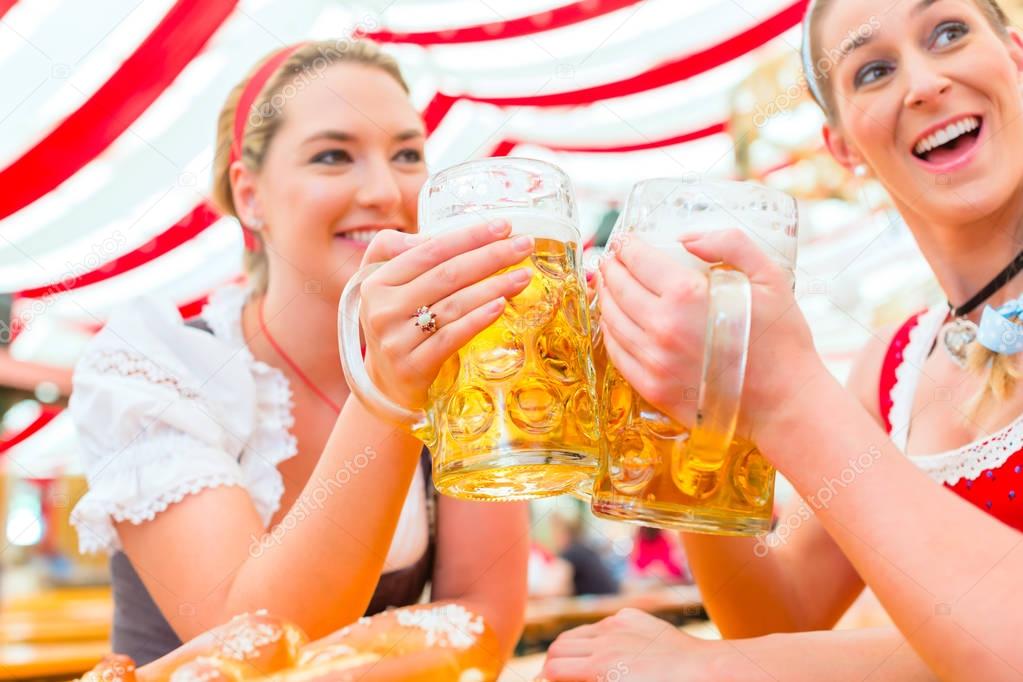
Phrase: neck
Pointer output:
(304, 326)
(966, 256)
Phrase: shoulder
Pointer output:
(145, 349)
(161, 410)
(147, 335)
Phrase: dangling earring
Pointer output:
(860, 170)
(256, 224)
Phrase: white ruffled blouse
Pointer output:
(164, 410)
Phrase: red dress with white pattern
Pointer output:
(989, 472)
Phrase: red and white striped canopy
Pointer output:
(109, 119)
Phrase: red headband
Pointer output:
(244, 110)
(252, 90)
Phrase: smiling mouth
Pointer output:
(361, 236)
(950, 143)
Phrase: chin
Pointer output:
(965, 196)
(978, 198)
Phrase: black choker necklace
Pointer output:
(958, 333)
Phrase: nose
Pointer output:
(926, 84)
(378, 187)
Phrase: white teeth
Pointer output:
(946, 134)
(360, 235)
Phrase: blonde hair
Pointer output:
(304, 65)
(1002, 374)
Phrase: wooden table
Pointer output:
(58, 633)
(547, 618)
(50, 660)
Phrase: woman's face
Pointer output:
(346, 162)
(929, 99)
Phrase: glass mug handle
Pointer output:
(355, 367)
(726, 349)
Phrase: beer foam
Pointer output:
(670, 246)
(778, 246)
(536, 223)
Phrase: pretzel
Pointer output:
(428, 642)
(113, 668)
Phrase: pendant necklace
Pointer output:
(958, 333)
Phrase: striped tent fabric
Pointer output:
(109, 118)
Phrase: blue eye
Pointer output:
(947, 33)
(409, 155)
(871, 73)
(332, 157)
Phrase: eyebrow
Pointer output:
(342, 136)
(921, 6)
(860, 40)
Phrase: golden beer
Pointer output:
(647, 474)
(706, 477)
(513, 414)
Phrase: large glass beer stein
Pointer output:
(513, 415)
(705, 477)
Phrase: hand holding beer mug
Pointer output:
(512, 414)
(705, 476)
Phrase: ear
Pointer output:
(243, 193)
(840, 148)
(1015, 44)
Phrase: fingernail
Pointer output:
(413, 239)
(496, 306)
(523, 243)
(521, 276)
(498, 226)
(691, 236)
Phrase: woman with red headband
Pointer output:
(925, 95)
(228, 471)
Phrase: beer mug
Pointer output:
(705, 477)
(512, 416)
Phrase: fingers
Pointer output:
(591, 286)
(446, 341)
(635, 372)
(568, 670)
(468, 268)
(581, 632)
(616, 323)
(388, 244)
(428, 254)
(651, 267)
(735, 248)
(631, 296)
(463, 301)
(567, 647)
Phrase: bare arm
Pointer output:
(946, 572)
(209, 557)
(482, 553)
(206, 558)
(638, 646)
(797, 578)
